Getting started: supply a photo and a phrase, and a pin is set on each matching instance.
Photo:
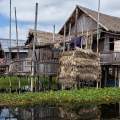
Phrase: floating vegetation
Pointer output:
(74, 97)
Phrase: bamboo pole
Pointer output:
(87, 40)
(19, 83)
(69, 36)
(76, 27)
(91, 42)
(33, 56)
(10, 83)
(10, 25)
(116, 76)
(17, 34)
(53, 33)
(69, 31)
(119, 76)
(106, 76)
(76, 19)
(64, 38)
(97, 85)
(98, 23)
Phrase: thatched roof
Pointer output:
(109, 23)
(43, 37)
(79, 64)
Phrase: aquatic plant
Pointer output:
(73, 97)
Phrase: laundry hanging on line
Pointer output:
(77, 41)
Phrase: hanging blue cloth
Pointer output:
(77, 42)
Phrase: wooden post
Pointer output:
(119, 76)
(76, 28)
(10, 83)
(76, 19)
(50, 81)
(35, 39)
(91, 41)
(10, 47)
(53, 33)
(16, 34)
(10, 32)
(69, 36)
(97, 84)
(69, 31)
(64, 38)
(35, 79)
(63, 87)
(100, 84)
(106, 76)
(116, 76)
(98, 23)
(19, 83)
(32, 83)
(87, 40)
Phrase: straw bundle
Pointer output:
(79, 65)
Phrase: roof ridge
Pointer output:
(41, 31)
(97, 11)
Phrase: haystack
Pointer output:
(79, 65)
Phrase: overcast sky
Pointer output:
(50, 12)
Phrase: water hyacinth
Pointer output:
(82, 96)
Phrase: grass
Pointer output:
(83, 96)
(5, 82)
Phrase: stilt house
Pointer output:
(83, 23)
(46, 56)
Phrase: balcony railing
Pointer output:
(111, 58)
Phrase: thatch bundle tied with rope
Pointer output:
(79, 65)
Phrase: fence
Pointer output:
(24, 66)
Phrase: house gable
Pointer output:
(107, 22)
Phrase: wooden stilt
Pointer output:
(32, 82)
(35, 39)
(87, 41)
(106, 76)
(35, 84)
(97, 84)
(50, 81)
(19, 83)
(119, 76)
(10, 83)
(91, 41)
(63, 87)
(100, 84)
(116, 77)
(64, 42)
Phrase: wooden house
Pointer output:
(83, 22)
(3, 66)
(17, 63)
(46, 55)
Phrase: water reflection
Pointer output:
(79, 112)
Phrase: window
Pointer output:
(111, 43)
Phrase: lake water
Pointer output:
(77, 112)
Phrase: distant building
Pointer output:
(3, 66)
(17, 61)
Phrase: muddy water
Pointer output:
(79, 112)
